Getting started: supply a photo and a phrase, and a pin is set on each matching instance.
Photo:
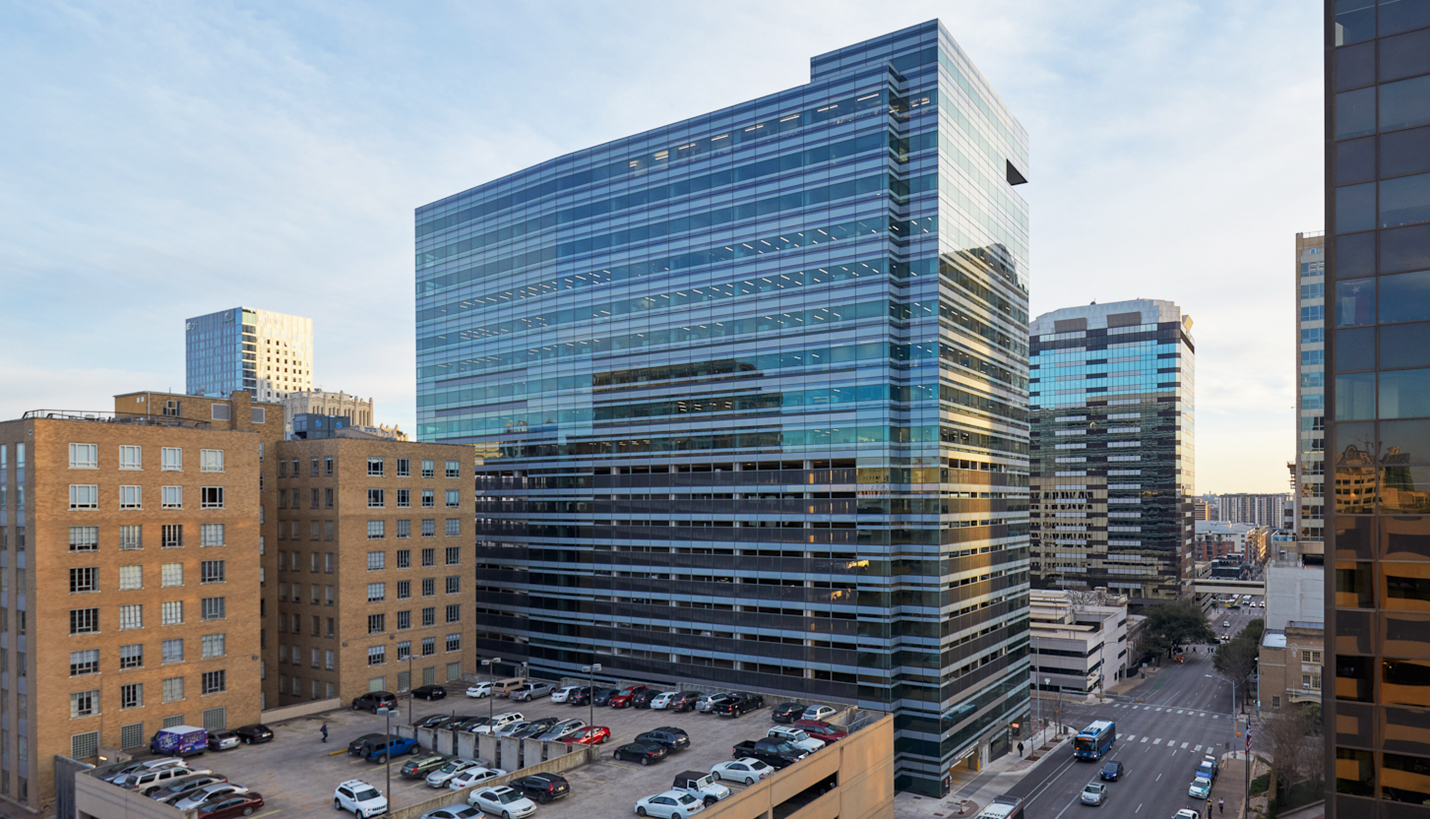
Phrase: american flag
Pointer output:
(1248, 742)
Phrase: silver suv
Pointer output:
(531, 691)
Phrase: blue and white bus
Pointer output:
(1095, 740)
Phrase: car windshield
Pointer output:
(453, 766)
(508, 797)
(686, 799)
(758, 765)
(366, 794)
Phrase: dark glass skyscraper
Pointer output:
(1378, 425)
(749, 396)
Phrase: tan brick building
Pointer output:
(375, 566)
(129, 552)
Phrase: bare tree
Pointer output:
(1296, 750)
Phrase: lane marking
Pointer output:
(1158, 779)
(1139, 808)
(1184, 746)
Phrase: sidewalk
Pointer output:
(972, 790)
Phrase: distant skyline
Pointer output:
(169, 160)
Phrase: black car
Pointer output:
(580, 696)
(1111, 770)
(435, 721)
(373, 700)
(537, 726)
(429, 693)
(685, 701)
(602, 696)
(254, 734)
(543, 787)
(738, 705)
(642, 752)
(641, 699)
(468, 724)
(672, 738)
(787, 711)
(357, 746)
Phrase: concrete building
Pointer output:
(1260, 510)
(1112, 445)
(266, 354)
(1290, 664)
(375, 571)
(1079, 646)
(129, 564)
(1293, 592)
(1217, 538)
(320, 402)
(724, 375)
(1200, 509)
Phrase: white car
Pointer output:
(663, 700)
(707, 701)
(795, 737)
(359, 797)
(194, 798)
(454, 812)
(1187, 813)
(510, 728)
(819, 712)
(1200, 788)
(473, 776)
(508, 803)
(669, 805)
(499, 722)
(745, 769)
(440, 777)
(480, 690)
(561, 730)
(564, 694)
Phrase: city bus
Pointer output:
(1095, 740)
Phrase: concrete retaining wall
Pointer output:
(302, 709)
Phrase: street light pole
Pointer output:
(410, 688)
(591, 696)
(387, 752)
(491, 665)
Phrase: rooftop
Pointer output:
(115, 418)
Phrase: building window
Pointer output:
(376, 561)
(327, 563)
(172, 612)
(84, 456)
(314, 535)
(454, 584)
(404, 558)
(171, 497)
(376, 499)
(211, 497)
(171, 574)
(454, 642)
(84, 496)
(454, 613)
(429, 586)
(328, 498)
(131, 696)
(313, 467)
(404, 620)
(454, 555)
(404, 589)
(328, 466)
(257, 415)
(173, 650)
(131, 656)
(404, 529)
(427, 470)
(376, 529)
(211, 460)
(131, 457)
(84, 662)
(454, 469)
(429, 616)
(404, 498)
(429, 498)
(218, 412)
(328, 592)
(131, 736)
(84, 703)
(282, 468)
(213, 645)
(211, 571)
(376, 655)
(171, 459)
(375, 467)
(131, 577)
(404, 468)
(376, 592)
(84, 538)
(328, 660)
(84, 579)
(327, 531)
(131, 497)
(404, 650)
(173, 689)
(314, 502)
(131, 617)
(215, 682)
(313, 567)
(429, 646)
(376, 623)
(429, 528)
(213, 608)
(211, 534)
(429, 557)
(131, 538)
(171, 536)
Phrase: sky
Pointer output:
(162, 160)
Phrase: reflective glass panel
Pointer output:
(1355, 208)
(1403, 201)
(1405, 393)
(1355, 255)
(1405, 490)
(1406, 441)
(1402, 104)
(1355, 160)
(1355, 66)
(1355, 302)
(1403, 152)
(1405, 297)
(1355, 396)
(1406, 586)
(1405, 538)
(1402, 15)
(1405, 56)
(1355, 113)
(1355, 349)
(1406, 248)
(1355, 21)
(1404, 345)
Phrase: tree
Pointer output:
(1236, 660)
(1296, 749)
(1175, 623)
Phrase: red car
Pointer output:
(819, 729)
(623, 699)
(594, 735)
(233, 804)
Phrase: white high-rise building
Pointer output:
(269, 355)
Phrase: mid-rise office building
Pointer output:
(1378, 406)
(267, 355)
(1079, 642)
(1256, 509)
(1309, 468)
(1111, 391)
(749, 398)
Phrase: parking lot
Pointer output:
(296, 772)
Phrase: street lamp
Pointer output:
(491, 665)
(387, 751)
(591, 695)
(410, 688)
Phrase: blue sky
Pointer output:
(162, 160)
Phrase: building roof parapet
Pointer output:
(99, 416)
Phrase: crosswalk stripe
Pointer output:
(1184, 746)
(1130, 737)
(1179, 710)
(1157, 741)
(1144, 739)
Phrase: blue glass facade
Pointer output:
(214, 347)
(749, 398)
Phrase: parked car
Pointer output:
(497, 723)
(357, 746)
(623, 699)
(707, 701)
(685, 701)
(222, 741)
(643, 699)
(454, 812)
(235, 804)
(436, 720)
(419, 766)
(1111, 770)
(395, 746)
(563, 694)
(671, 804)
(1186, 813)
(673, 739)
(187, 785)
(700, 785)
(469, 724)
(542, 788)
(207, 793)
(373, 700)
(254, 734)
(536, 727)
(480, 690)
(117, 772)
(819, 712)
(1093, 793)
(745, 769)
(739, 705)
(561, 730)
(773, 752)
(820, 729)
(531, 691)
(473, 776)
(579, 696)
(153, 781)
(602, 696)
(511, 728)
(440, 777)
(787, 711)
(429, 693)
(503, 801)
(590, 735)
(795, 737)
(1200, 788)
(362, 799)
(663, 700)
(642, 752)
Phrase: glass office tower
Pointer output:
(1378, 433)
(1309, 469)
(266, 354)
(1111, 391)
(749, 398)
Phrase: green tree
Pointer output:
(1236, 659)
(1175, 623)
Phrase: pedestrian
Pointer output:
(325, 732)
(1020, 749)
(1221, 806)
